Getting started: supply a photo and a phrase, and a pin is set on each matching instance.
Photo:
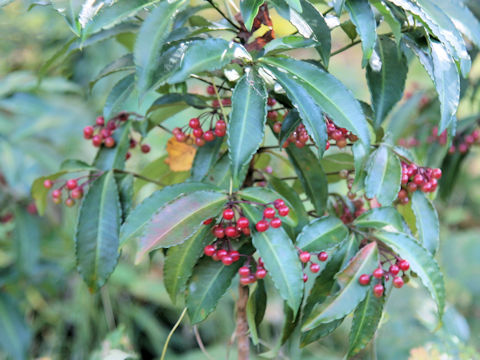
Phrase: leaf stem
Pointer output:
(346, 47)
(177, 324)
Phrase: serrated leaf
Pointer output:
(205, 158)
(329, 94)
(114, 158)
(246, 126)
(311, 175)
(138, 219)
(320, 331)
(351, 292)
(249, 10)
(181, 259)
(176, 221)
(322, 234)
(426, 221)
(207, 55)
(281, 260)
(124, 63)
(150, 40)
(256, 306)
(379, 218)
(421, 262)
(15, 335)
(362, 17)
(289, 42)
(389, 18)
(365, 322)
(310, 113)
(119, 93)
(386, 85)
(384, 173)
(97, 232)
(265, 195)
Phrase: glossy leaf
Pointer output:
(247, 122)
(426, 221)
(125, 192)
(205, 158)
(383, 176)
(351, 292)
(176, 221)
(322, 234)
(138, 219)
(181, 259)
(249, 10)
(389, 18)
(421, 262)
(362, 17)
(329, 94)
(378, 218)
(387, 83)
(150, 40)
(256, 306)
(310, 113)
(114, 158)
(14, 332)
(207, 55)
(124, 63)
(311, 176)
(97, 232)
(281, 260)
(289, 42)
(319, 332)
(289, 124)
(120, 92)
(365, 322)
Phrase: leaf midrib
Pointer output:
(337, 226)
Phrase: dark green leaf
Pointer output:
(320, 331)
(379, 218)
(124, 63)
(333, 164)
(389, 18)
(97, 233)
(384, 174)
(249, 10)
(247, 122)
(125, 191)
(168, 105)
(76, 165)
(289, 124)
(362, 17)
(14, 332)
(256, 306)
(114, 158)
(176, 221)
(205, 158)
(27, 239)
(387, 83)
(426, 221)
(289, 42)
(295, 5)
(322, 234)
(421, 262)
(120, 92)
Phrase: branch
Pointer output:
(243, 342)
(346, 47)
(223, 15)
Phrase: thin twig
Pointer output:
(346, 47)
(177, 324)
(200, 342)
(209, 82)
(223, 15)
(327, 11)
(164, 128)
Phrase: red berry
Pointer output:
(260, 273)
(402, 194)
(228, 214)
(314, 267)
(215, 103)
(275, 223)
(304, 256)
(218, 232)
(208, 221)
(209, 250)
(210, 90)
(277, 127)
(244, 281)
(404, 265)
(209, 136)
(77, 193)
(176, 131)
(109, 142)
(378, 273)
(235, 255)
(243, 222)
(97, 141)
(219, 133)
(271, 101)
(194, 123)
(398, 282)
(244, 271)
(246, 231)
(278, 203)
(269, 213)
(105, 133)
(133, 143)
(323, 256)
(88, 132)
(127, 155)
(305, 277)
(57, 200)
(47, 184)
(283, 211)
(418, 179)
(227, 260)
(412, 187)
(262, 226)
(69, 202)
(378, 290)
(111, 125)
(145, 148)
(364, 279)
(57, 193)
(221, 125)
(197, 132)
(437, 173)
(226, 102)
(100, 121)
(221, 253)
(230, 231)
(181, 137)
(394, 269)
(199, 142)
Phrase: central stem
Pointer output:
(243, 341)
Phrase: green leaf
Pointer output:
(320, 331)
(120, 92)
(289, 124)
(329, 94)
(421, 262)
(362, 17)
(310, 113)
(426, 221)
(249, 10)
(125, 191)
(289, 42)
(176, 221)
(26, 242)
(124, 63)
(265, 195)
(387, 83)
(389, 18)
(351, 292)
(247, 122)
(311, 175)
(114, 158)
(209, 282)
(76, 165)
(384, 173)
(97, 232)
(168, 105)
(322, 234)
(138, 219)
(256, 306)
(181, 259)
(205, 158)
(333, 164)
(295, 5)
(379, 218)
(207, 55)
(281, 260)
(14, 333)
(150, 40)
(365, 322)
(338, 6)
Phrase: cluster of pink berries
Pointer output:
(144, 148)
(201, 136)
(305, 257)
(461, 142)
(101, 132)
(72, 187)
(417, 178)
(247, 276)
(339, 135)
(215, 102)
(299, 136)
(379, 274)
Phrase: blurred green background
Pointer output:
(47, 312)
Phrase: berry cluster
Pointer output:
(408, 142)
(305, 257)
(347, 212)
(379, 274)
(461, 142)
(72, 187)
(215, 102)
(201, 136)
(339, 135)
(417, 178)
(299, 136)
(247, 276)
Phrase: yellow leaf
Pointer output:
(281, 26)
(180, 154)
